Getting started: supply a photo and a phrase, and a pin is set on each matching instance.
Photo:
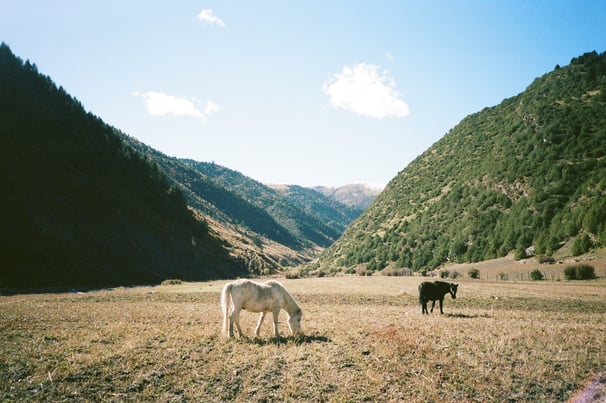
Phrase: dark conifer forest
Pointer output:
(79, 207)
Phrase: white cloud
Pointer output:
(364, 90)
(211, 108)
(207, 15)
(159, 104)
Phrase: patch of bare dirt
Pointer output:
(593, 391)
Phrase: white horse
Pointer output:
(270, 296)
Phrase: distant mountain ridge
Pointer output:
(530, 171)
(356, 195)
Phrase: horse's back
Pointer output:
(432, 290)
(246, 283)
(257, 297)
(426, 286)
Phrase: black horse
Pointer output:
(429, 291)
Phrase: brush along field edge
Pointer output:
(363, 338)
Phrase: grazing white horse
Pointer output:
(270, 296)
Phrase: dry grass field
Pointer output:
(364, 339)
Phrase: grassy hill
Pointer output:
(79, 206)
(529, 172)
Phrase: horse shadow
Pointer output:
(297, 339)
(464, 316)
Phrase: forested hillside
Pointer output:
(79, 207)
(306, 228)
(326, 210)
(265, 228)
(530, 171)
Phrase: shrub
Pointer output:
(397, 272)
(474, 273)
(171, 282)
(536, 274)
(292, 274)
(444, 273)
(454, 274)
(363, 271)
(543, 259)
(581, 245)
(520, 254)
(579, 272)
(570, 273)
(585, 272)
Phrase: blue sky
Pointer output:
(309, 93)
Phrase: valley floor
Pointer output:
(364, 338)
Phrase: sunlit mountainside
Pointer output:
(529, 173)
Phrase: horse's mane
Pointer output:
(293, 306)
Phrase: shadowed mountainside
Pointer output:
(80, 208)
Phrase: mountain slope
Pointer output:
(529, 171)
(326, 210)
(266, 228)
(305, 227)
(80, 208)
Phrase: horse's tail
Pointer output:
(421, 299)
(225, 304)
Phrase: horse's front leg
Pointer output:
(441, 302)
(276, 314)
(258, 328)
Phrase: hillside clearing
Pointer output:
(364, 338)
(508, 268)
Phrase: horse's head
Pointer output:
(294, 322)
(453, 290)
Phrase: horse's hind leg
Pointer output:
(261, 317)
(433, 304)
(234, 318)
